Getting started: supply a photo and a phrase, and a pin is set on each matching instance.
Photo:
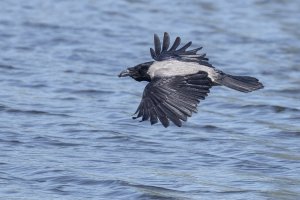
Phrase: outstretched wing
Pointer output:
(163, 52)
(173, 98)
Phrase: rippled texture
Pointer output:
(65, 116)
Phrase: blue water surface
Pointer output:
(65, 117)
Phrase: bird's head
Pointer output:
(138, 72)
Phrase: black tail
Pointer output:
(241, 83)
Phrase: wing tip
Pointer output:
(162, 51)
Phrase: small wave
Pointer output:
(62, 40)
(275, 108)
(70, 71)
(42, 25)
(210, 127)
(85, 91)
(71, 124)
(2, 107)
(67, 98)
(60, 190)
(11, 142)
(31, 112)
(54, 27)
(90, 182)
(154, 188)
(286, 91)
(251, 165)
(158, 192)
(91, 91)
(94, 73)
(38, 85)
(154, 195)
(47, 171)
(289, 133)
(55, 142)
(6, 35)
(6, 22)
(24, 48)
(147, 191)
(7, 67)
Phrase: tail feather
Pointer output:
(241, 83)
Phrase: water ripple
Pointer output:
(65, 117)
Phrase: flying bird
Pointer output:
(178, 79)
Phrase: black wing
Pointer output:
(173, 98)
(163, 52)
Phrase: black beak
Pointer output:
(124, 73)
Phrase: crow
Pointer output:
(178, 79)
